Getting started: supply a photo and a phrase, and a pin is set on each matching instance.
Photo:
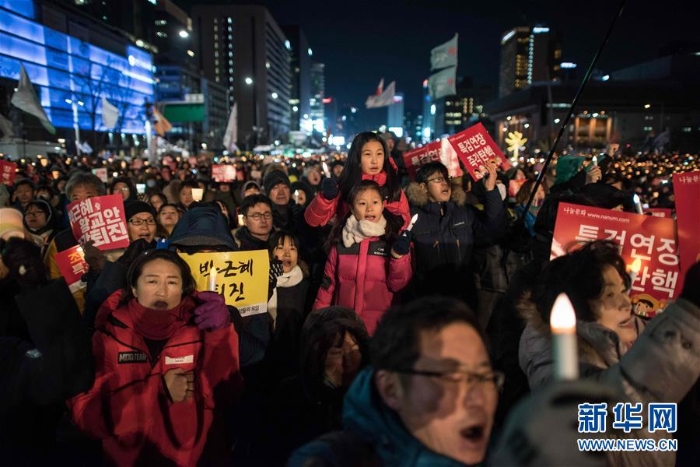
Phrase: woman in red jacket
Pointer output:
(166, 363)
(368, 159)
(362, 272)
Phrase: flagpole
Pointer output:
(564, 124)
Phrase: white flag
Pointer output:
(442, 83)
(384, 99)
(85, 148)
(25, 99)
(231, 135)
(444, 55)
(6, 127)
(110, 114)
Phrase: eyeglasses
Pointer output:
(137, 222)
(258, 216)
(34, 213)
(123, 190)
(493, 379)
(437, 180)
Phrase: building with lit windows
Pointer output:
(528, 55)
(73, 62)
(315, 121)
(395, 114)
(300, 70)
(242, 48)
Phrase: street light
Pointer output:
(184, 34)
(275, 95)
(249, 80)
(646, 106)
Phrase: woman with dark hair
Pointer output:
(125, 187)
(659, 363)
(368, 159)
(157, 200)
(368, 263)
(184, 194)
(334, 348)
(166, 367)
(168, 217)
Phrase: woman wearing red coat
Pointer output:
(166, 362)
(362, 272)
(368, 159)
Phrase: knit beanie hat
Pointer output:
(131, 208)
(273, 178)
(567, 167)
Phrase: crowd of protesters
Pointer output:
(406, 318)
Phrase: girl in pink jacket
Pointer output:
(367, 264)
(368, 159)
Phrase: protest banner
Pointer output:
(475, 147)
(101, 220)
(241, 277)
(650, 239)
(71, 263)
(437, 151)
(686, 188)
(8, 171)
(223, 173)
(659, 212)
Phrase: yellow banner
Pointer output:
(241, 277)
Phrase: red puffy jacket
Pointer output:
(321, 210)
(364, 277)
(128, 408)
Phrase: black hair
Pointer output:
(252, 200)
(425, 171)
(395, 345)
(136, 268)
(160, 195)
(580, 276)
(352, 173)
(279, 237)
(126, 181)
(24, 181)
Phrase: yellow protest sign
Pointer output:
(240, 276)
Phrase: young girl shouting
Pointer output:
(367, 264)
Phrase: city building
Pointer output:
(74, 61)
(626, 106)
(395, 115)
(242, 47)
(458, 112)
(528, 55)
(300, 69)
(315, 120)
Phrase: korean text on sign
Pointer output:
(71, 263)
(475, 149)
(223, 173)
(100, 220)
(686, 188)
(650, 239)
(241, 277)
(8, 171)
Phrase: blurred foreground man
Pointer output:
(428, 398)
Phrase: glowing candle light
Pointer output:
(212, 280)
(634, 270)
(564, 349)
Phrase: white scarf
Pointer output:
(355, 231)
(287, 279)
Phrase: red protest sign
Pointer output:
(686, 188)
(475, 147)
(650, 239)
(8, 171)
(101, 220)
(71, 263)
(659, 212)
(223, 173)
(421, 156)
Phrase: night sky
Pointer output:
(363, 41)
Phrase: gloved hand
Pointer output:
(691, 285)
(276, 270)
(213, 314)
(23, 261)
(329, 188)
(402, 244)
(134, 250)
(95, 258)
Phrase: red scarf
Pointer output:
(159, 325)
(380, 178)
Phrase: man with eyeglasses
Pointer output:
(428, 398)
(257, 225)
(141, 221)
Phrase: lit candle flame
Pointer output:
(212, 279)
(562, 321)
(563, 318)
(636, 266)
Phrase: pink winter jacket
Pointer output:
(321, 210)
(364, 277)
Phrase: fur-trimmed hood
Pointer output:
(418, 197)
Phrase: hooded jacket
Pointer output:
(128, 407)
(661, 366)
(444, 237)
(364, 277)
(321, 211)
(374, 430)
